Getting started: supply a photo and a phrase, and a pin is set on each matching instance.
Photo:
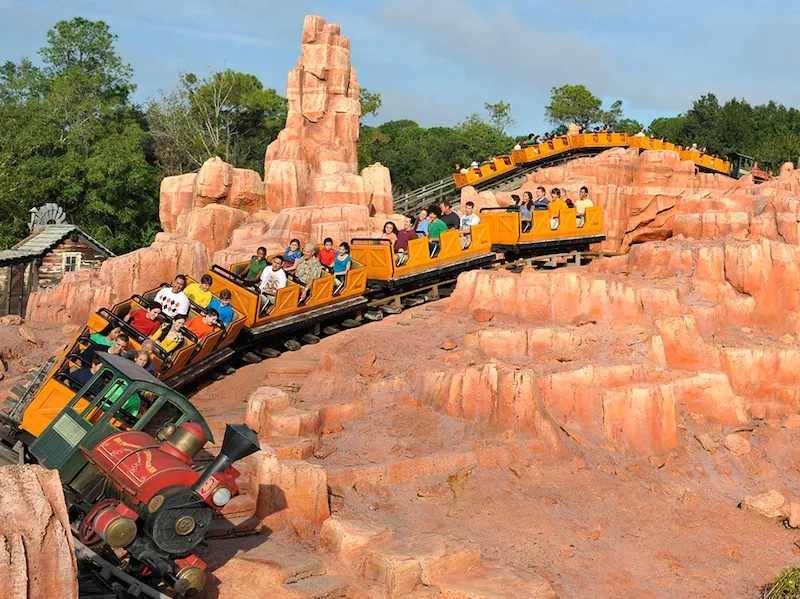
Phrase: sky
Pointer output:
(438, 61)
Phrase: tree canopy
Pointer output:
(576, 104)
(417, 156)
(227, 114)
(70, 135)
(769, 132)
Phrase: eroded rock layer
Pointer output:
(37, 559)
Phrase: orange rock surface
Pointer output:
(37, 558)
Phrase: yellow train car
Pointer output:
(554, 229)
(60, 385)
(328, 296)
(455, 255)
(603, 139)
(546, 149)
(475, 175)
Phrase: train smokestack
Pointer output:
(239, 442)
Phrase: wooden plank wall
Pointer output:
(51, 270)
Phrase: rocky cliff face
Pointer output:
(37, 558)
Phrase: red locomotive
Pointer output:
(125, 447)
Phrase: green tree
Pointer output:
(499, 115)
(417, 156)
(227, 114)
(70, 135)
(370, 103)
(573, 103)
(669, 128)
(629, 126)
(576, 104)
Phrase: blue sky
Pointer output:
(437, 61)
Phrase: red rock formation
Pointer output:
(314, 161)
(83, 293)
(217, 182)
(37, 558)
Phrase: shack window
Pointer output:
(71, 262)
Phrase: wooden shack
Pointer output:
(41, 260)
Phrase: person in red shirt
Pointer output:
(203, 325)
(327, 254)
(145, 321)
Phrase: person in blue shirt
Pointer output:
(223, 307)
(342, 264)
(292, 255)
(421, 226)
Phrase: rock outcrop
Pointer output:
(217, 182)
(321, 132)
(37, 557)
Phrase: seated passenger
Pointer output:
(517, 146)
(435, 228)
(389, 232)
(292, 255)
(474, 164)
(148, 347)
(172, 299)
(342, 265)
(525, 211)
(581, 205)
(200, 293)
(257, 264)
(555, 206)
(81, 376)
(457, 169)
(272, 279)
(141, 358)
(448, 217)
(407, 234)
(170, 335)
(541, 201)
(203, 325)
(223, 307)
(464, 171)
(421, 226)
(145, 320)
(641, 133)
(469, 220)
(119, 346)
(327, 254)
(514, 206)
(105, 340)
(308, 269)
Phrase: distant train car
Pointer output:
(563, 146)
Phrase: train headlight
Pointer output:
(221, 496)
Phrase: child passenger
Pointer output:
(327, 254)
(342, 264)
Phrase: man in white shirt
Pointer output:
(272, 279)
(172, 299)
(641, 133)
(469, 220)
(581, 205)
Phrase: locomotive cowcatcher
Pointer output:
(124, 447)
